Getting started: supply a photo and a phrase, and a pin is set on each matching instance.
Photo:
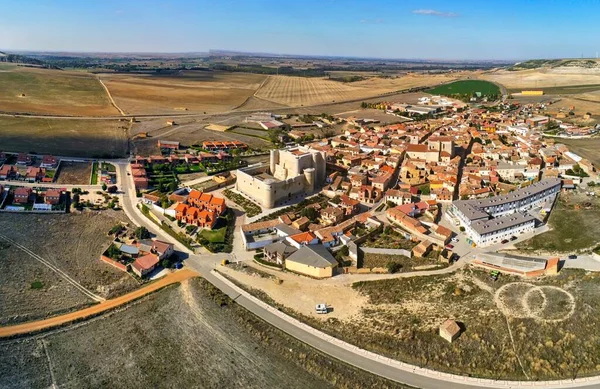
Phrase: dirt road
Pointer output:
(104, 306)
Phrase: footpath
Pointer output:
(34, 326)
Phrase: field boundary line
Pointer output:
(112, 101)
(55, 269)
(50, 369)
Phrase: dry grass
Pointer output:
(159, 341)
(190, 91)
(301, 91)
(82, 138)
(53, 92)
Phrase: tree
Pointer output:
(336, 199)
(104, 186)
(310, 213)
(172, 186)
(112, 189)
(363, 105)
(142, 233)
(113, 252)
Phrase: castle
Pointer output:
(291, 174)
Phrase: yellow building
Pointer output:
(312, 260)
(532, 93)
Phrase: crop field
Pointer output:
(74, 173)
(539, 78)
(182, 336)
(56, 92)
(301, 91)
(186, 92)
(76, 138)
(466, 87)
(71, 242)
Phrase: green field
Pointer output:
(48, 91)
(214, 236)
(466, 87)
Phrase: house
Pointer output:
(332, 215)
(166, 144)
(35, 174)
(162, 249)
(450, 330)
(52, 197)
(206, 219)
(22, 195)
(422, 249)
(314, 261)
(141, 183)
(144, 265)
(302, 239)
(7, 172)
(277, 252)
(180, 211)
(301, 223)
(49, 162)
(24, 159)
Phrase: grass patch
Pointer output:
(37, 285)
(574, 226)
(94, 178)
(214, 236)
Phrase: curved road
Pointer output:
(399, 372)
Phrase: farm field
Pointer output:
(182, 325)
(77, 138)
(301, 91)
(74, 173)
(186, 92)
(52, 92)
(466, 87)
(73, 243)
(539, 78)
(586, 148)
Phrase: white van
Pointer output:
(321, 308)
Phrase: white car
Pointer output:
(455, 240)
(321, 308)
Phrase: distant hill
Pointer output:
(584, 63)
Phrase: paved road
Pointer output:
(34, 326)
(203, 264)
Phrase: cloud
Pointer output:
(433, 12)
(372, 21)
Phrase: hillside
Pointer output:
(573, 64)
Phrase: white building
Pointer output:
(493, 219)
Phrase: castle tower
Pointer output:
(309, 179)
(274, 160)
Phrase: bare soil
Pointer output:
(74, 173)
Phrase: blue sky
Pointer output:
(481, 29)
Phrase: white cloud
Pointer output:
(433, 12)
(372, 21)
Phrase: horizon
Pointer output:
(415, 31)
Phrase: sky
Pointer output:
(404, 29)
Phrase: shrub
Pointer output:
(393, 267)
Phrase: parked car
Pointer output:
(572, 256)
(494, 274)
(505, 241)
(513, 238)
(449, 246)
(321, 308)
(455, 240)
